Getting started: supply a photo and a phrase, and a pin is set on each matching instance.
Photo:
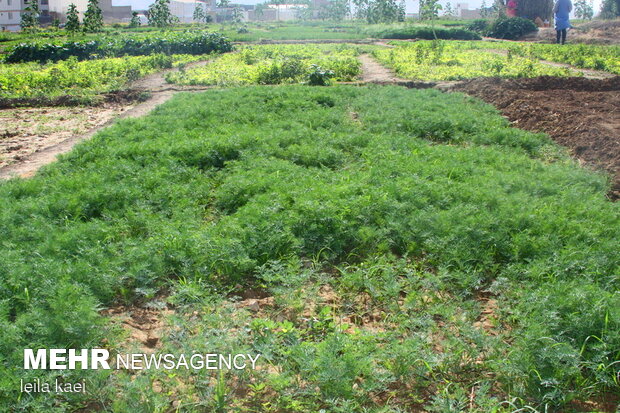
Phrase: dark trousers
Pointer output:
(561, 36)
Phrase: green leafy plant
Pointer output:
(319, 76)
(274, 65)
(511, 28)
(171, 43)
(93, 17)
(159, 14)
(72, 26)
(135, 20)
(30, 17)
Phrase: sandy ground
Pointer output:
(373, 71)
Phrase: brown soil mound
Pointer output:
(581, 114)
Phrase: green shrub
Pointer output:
(424, 32)
(511, 28)
(480, 26)
(319, 77)
(173, 43)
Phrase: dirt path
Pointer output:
(374, 72)
(36, 153)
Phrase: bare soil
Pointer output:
(144, 326)
(374, 72)
(594, 32)
(33, 137)
(581, 114)
(26, 131)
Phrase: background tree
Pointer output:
(610, 9)
(530, 9)
(305, 13)
(484, 10)
(237, 15)
(30, 17)
(449, 11)
(199, 13)
(499, 8)
(73, 19)
(429, 9)
(260, 8)
(385, 11)
(335, 10)
(135, 20)
(361, 9)
(223, 3)
(584, 9)
(160, 15)
(93, 18)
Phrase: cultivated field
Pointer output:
(389, 225)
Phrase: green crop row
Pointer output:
(271, 65)
(420, 255)
(438, 60)
(605, 58)
(73, 78)
(586, 56)
(421, 32)
(194, 43)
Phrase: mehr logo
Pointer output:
(58, 359)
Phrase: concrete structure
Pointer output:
(463, 11)
(280, 12)
(11, 13)
(12, 10)
(184, 9)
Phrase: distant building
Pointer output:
(11, 13)
(463, 11)
(58, 10)
(285, 12)
(184, 9)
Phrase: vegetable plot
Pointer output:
(270, 65)
(194, 43)
(417, 254)
(440, 60)
(80, 79)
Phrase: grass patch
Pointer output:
(417, 252)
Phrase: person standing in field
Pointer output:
(561, 11)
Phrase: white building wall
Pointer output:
(10, 14)
(184, 9)
(61, 7)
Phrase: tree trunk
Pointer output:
(530, 9)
